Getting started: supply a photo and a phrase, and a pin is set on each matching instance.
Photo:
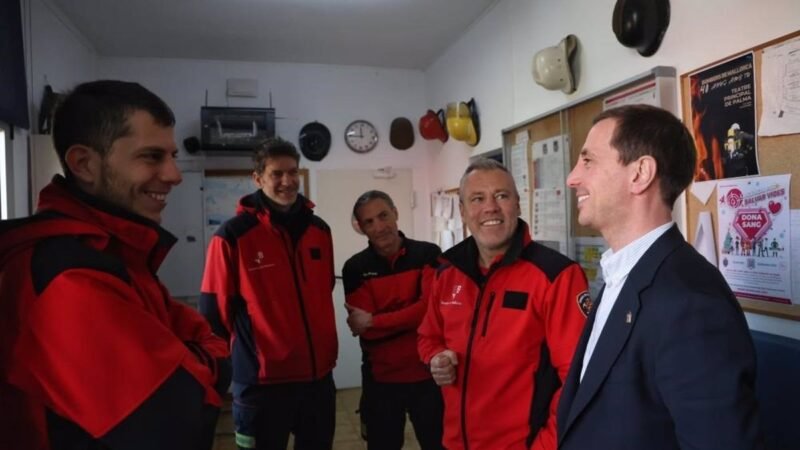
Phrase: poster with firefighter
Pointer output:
(724, 120)
(754, 239)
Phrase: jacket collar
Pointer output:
(144, 236)
(392, 259)
(465, 255)
(257, 204)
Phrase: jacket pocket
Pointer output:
(515, 300)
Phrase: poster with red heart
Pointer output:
(753, 237)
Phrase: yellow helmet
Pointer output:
(462, 122)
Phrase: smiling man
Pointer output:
(93, 351)
(666, 361)
(503, 319)
(267, 287)
(386, 287)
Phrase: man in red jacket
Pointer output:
(94, 353)
(267, 287)
(504, 317)
(386, 287)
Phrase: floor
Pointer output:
(348, 426)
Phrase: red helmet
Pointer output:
(431, 126)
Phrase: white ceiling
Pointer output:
(407, 34)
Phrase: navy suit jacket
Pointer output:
(674, 366)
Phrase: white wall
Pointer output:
(301, 93)
(478, 65)
(492, 63)
(56, 54)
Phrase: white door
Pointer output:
(337, 191)
(182, 270)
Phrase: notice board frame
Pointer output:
(776, 155)
(574, 119)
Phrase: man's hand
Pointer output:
(358, 320)
(443, 367)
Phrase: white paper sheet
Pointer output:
(704, 238)
(702, 190)
(642, 94)
(780, 88)
(548, 162)
(795, 218)
(754, 238)
(520, 171)
(521, 137)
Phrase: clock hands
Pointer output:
(361, 136)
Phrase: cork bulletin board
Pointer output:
(574, 120)
(775, 155)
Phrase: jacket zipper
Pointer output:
(301, 302)
(302, 266)
(473, 326)
(488, 310)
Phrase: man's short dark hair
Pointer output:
(646, 130)
(273, 148)
(368, 197)
(482, 164)
(97, 113)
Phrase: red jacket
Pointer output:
(268, 286)
(395, 292)
(514, 331)
(90, 339)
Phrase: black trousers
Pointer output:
(265, 415)
(384, 411)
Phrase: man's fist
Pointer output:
(358, 320)
(443, 367)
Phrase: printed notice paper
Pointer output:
(754, 238)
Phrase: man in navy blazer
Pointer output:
(665, 360)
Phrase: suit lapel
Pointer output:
(571, 382)
(612, 340)
(616, 331)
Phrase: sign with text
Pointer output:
(754, 242)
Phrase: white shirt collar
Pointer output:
(616, 266)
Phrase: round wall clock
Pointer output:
(361, 136)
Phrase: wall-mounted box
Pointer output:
(235, 129)
(242, 87)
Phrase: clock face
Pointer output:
(361, 136)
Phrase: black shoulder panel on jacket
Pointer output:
(319, 223)
(351, 273)
(428, 249)
(551, 262)
(443, 264)
(10, 224)
(174, 417)
(234, 228)
(53, 256)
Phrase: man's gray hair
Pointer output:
(368, 197)
(482, 164)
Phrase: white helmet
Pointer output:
(552, 66)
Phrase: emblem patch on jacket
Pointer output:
(453, 300)
(585, 303)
